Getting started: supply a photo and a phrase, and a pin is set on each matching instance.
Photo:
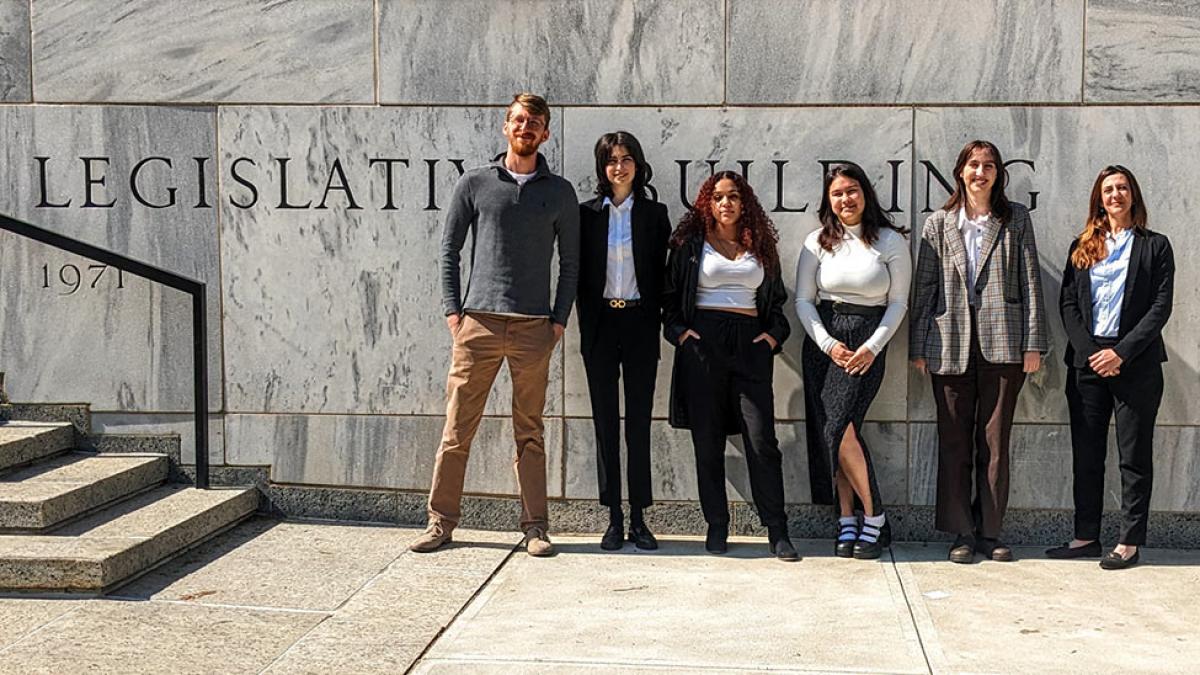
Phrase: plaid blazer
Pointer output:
(1011, 313)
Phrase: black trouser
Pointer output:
(974, 420)
(1134, 396)
(729, 377)
(626, 346)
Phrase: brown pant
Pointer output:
(974, 421)
(482, 343)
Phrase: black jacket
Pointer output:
(679, 310)
(1149, 288)
(651, 229)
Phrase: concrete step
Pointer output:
(122, 541)
(22, 443)
(79, 414)
(58, 489)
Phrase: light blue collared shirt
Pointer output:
(1108, 284)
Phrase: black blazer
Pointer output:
(679, 311)
(1149, 287)
(651, 229)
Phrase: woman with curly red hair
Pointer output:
(723, 309)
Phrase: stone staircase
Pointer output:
(75, 519)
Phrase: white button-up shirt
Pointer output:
(620, 279)
(1108, 284)
(972, 237)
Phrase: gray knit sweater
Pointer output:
(515, 229)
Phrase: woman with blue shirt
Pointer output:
(1116, 297)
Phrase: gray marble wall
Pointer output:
(306, 190)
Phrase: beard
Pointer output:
(523, 148)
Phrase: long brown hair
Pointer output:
(1092, 248)
(874, 218)
(755, 229)
(999, 201)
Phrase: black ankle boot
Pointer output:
(781, 545)
(714, 541)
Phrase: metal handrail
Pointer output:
(192, 287)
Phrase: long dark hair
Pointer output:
(1092, 248)
(999, 201)
(873, 219)
(604, 148)
(756, 231)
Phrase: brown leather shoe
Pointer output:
(537, 543)
(963, 550)
(994, 549)
(434, 537)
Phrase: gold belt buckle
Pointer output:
(616, 303)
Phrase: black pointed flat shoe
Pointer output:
(1065, 552)
(1113, 560)
(642, 537)
(613, 538)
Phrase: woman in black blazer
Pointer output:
(723, 309)
(622, 259)
(1116, 297)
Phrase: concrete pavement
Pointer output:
(305, 597)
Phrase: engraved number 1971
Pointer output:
(71, 278)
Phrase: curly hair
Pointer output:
(757, 232)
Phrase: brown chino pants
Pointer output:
(974, 420)
(482, 343)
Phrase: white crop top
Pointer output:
(725, 283)
(875, 275)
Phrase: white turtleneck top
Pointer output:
(853, 272)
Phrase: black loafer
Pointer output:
(613, 538)
(994, 549)
(1113, 560)
(781, 546)
(714, 541)
(642, 538)
(1065, 552)
(844, 549)
(962, 551)
(867, 550)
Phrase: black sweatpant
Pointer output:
(729, 378)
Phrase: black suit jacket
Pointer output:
(651, 229)
(1149, 289)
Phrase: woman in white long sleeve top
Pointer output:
(851, 294)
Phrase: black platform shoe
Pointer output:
(714, 541)
(870, 550)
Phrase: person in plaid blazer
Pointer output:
(978, 326)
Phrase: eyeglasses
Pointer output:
(532, 123)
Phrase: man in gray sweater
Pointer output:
(515, 211)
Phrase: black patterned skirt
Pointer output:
(833, 399)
